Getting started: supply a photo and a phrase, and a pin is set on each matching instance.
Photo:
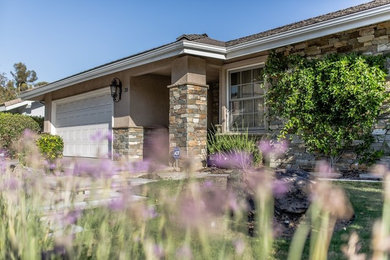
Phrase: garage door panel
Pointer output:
(80, 119)
(78, 140)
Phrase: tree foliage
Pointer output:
(7, 90)
(23, 77)
(329, 102)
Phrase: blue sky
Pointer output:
(61, 38)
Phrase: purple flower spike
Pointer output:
(109, 136)
(158, 251)
(28, 134)
(72, 217)
(269, 148)
(118, 204)
(208, 184)
(139, 166)
(184, 252)
(239, 246)
(150, 212)
(235, 160)
(265, 147)
(279, 188)
(11, 184)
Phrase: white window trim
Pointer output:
(227, 89)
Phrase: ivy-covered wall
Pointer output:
(370, 40)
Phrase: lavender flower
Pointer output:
(150, 212)
(158, 251)
(239, 246)
(72, 217)
(138, 166)
(272, 148)
(117, 204)
(184, 252)
(236, 160)
(279, 188)
(11, 184)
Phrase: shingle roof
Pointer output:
(310, 21)
(204, 38)
(11, 102)
(201, 38)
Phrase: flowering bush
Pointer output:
(51, 146)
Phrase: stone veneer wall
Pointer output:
(128, 142)
(213, 105)
(370, 40)
(188, 122)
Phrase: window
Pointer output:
(246, 99)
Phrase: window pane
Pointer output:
(258, 89)
(236, 121)
(247, 106)
(258, 74)
(246, 90)
(259, 105)
(235, 107)
(248, 121)
(235, 78)
(234, 92)
(259, 120)
(246, 76)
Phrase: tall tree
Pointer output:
(23, 77)
(7, 90)
(40, 83)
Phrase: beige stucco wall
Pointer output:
(122, 118)
(188, 69)
(149, 100)
(47, 122)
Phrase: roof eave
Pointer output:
(171, 50)
(317, 30)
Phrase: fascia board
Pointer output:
(17, 105)
(138, 60)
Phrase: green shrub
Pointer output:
(229, 143)
(51, 146)
(40, 120)
(328, 102)
(12, 127)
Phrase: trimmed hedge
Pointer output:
(50, 146)
(12, 127)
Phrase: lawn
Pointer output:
(366, 199)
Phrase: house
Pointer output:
(195, 81)
(24, 107)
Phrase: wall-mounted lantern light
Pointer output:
(116, 89)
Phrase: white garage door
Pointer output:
(80, 120)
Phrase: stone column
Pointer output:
(128, 142)
(188, 110)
